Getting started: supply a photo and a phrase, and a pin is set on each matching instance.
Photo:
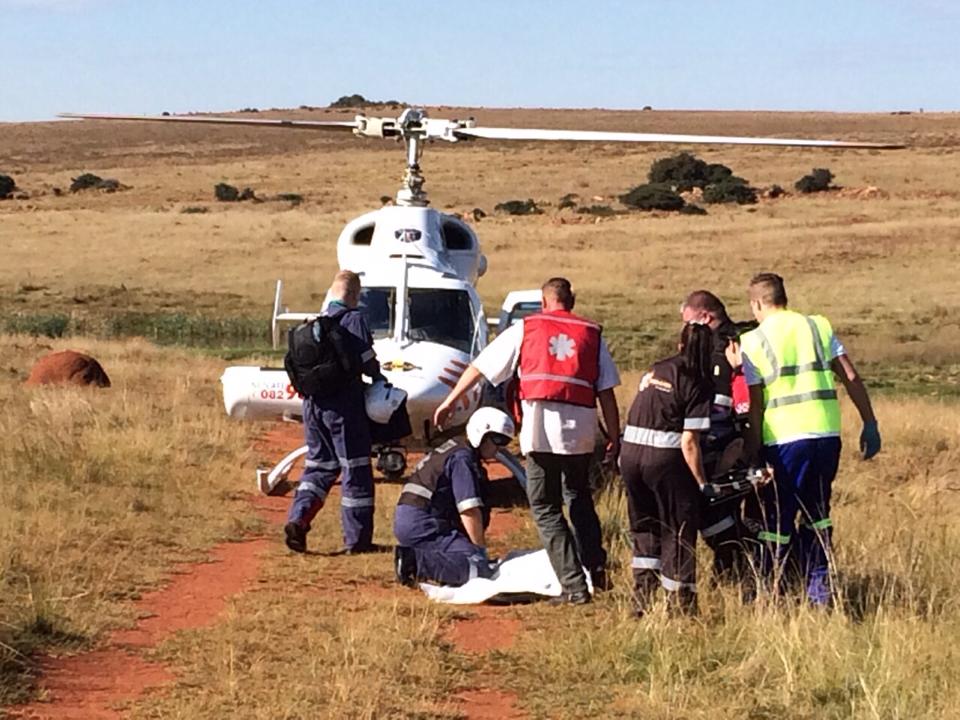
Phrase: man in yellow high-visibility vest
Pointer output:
(790, 362)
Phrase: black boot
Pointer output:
(296, 537)
(602, 582)
(405, 565)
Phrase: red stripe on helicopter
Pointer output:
(458, 364)
(447, 381)
(453, 372)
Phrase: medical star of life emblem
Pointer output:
(562, 347)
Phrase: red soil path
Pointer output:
(488, 629)
(96, 685)
(91, 686)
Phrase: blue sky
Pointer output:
(146, 57)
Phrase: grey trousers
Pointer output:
(552, 482)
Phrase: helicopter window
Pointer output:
(364, 236)
(456, 237)
(441, 316)
(377, 306)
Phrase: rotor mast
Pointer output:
(412, 193)
(414, 128)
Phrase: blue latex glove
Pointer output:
(869, 440)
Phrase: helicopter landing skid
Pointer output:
(512, 463)
(274, 481)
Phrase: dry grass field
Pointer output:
(105, 491)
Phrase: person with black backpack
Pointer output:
(325, 360)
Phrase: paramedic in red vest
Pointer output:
(564, 368)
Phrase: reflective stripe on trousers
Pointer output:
(675, 585)
(356, 502)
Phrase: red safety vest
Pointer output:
(560, 358)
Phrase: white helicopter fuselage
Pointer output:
(418, 269)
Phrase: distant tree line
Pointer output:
(357, 100)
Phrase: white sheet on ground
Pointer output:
(520, 573)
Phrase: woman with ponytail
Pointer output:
(663, 471)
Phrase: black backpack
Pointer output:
(320, 367)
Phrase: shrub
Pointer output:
(356, 100)
(109, 185)
(518, 207)
(685, 171)
(226, 193)
(85, 182)
(598, 210)
(692, 210)
(817, 181)
(89, 181)
(348, 101)
(194, 210)
(652, 196)
(292, 198)
(7, 186)
(568, 201)
(730, 190)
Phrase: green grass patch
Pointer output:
(179, 328)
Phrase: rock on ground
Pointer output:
(68, 368)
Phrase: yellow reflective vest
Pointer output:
(791, 352)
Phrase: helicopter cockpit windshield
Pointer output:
(439, 315)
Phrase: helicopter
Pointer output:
(419, 269)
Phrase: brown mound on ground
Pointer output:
(68, 368)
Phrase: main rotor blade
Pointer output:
(491, 133)
(348, 125)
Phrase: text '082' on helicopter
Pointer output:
(419, 269)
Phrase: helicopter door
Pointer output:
(378, 305)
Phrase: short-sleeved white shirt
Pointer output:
(548, 426)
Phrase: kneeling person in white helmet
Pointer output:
(441, 517)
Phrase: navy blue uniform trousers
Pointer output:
(803, 473)
(443, 553)
(337, 433)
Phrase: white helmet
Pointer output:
(381, 401)
(489, 420)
